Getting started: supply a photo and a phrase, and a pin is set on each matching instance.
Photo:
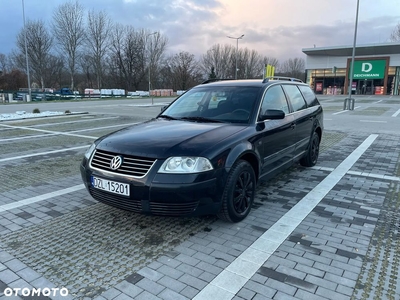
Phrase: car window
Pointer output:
(220, 103)
(192, 103)
(309, 95)
(275, 98)
(295, 97)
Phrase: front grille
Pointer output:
(134, 166)
(116, 200)
(172, 209)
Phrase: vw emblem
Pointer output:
(116, 162)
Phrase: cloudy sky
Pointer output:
(275, 28)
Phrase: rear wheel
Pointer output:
(238, 195)
(311, 157)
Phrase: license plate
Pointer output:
(110, 186)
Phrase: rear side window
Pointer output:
(295, 97)
(309, 95)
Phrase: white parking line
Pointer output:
(27, 137)
(77, 121)
(364, 174)
(371, 121)
(343, 111)
(42, 153)
(16, 204)
(235, 276)
(49, 131)
(396, 113)
(69, 132)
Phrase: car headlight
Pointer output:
(184, 165)
(90, 150)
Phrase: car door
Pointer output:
(303, 120)
(277, 136)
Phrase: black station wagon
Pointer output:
(206, 151)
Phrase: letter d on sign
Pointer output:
(366, 67)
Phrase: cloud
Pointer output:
(278, 29)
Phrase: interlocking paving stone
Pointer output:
(380, 270)
(350, 214)
(91, 249)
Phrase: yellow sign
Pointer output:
(269, 71)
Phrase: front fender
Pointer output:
(246, 151)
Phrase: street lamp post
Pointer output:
(26, 54)
(237, 50)
(147, 36)
(351, 101)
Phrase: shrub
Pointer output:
(67, 111)
(36, 111)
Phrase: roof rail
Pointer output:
(281, 78)
(215, 79)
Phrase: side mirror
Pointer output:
(272, 114)
(163, 108)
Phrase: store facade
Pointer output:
(376, 69)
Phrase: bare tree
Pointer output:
(219, 57)
(88, 70)
(395, 35)
(293, 68)
(69, 33)
(156, 45)
(39, 43)
(55, 71)
(12, 80)
(223, 59)
(134, 54)
(182, 71)
(127, 53)
(3, 63)
(250, 64)
(98, 41)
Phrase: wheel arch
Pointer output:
(244, 151)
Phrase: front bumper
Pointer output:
(162, 194)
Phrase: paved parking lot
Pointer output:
(328, 232)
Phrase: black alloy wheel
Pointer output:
(243, 193)
(239, 192)
(311, 156)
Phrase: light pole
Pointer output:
(237, 50)
(147, 36)
(26, 55)
(351, 103)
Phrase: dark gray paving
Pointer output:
(347, 248)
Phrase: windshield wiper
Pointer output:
(201, 119)
(167, 117)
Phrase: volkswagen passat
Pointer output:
(206, 151)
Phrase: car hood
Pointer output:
(159, 138)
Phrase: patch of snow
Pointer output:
(24, 115)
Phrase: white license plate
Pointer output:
(110, 186)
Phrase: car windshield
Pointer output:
(214, 104)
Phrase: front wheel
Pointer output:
(239, 191)
(311, 156)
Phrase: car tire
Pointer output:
(238, 195)
(311, 156)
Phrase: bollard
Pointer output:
(348, 104)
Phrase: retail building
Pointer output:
(376, 69)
